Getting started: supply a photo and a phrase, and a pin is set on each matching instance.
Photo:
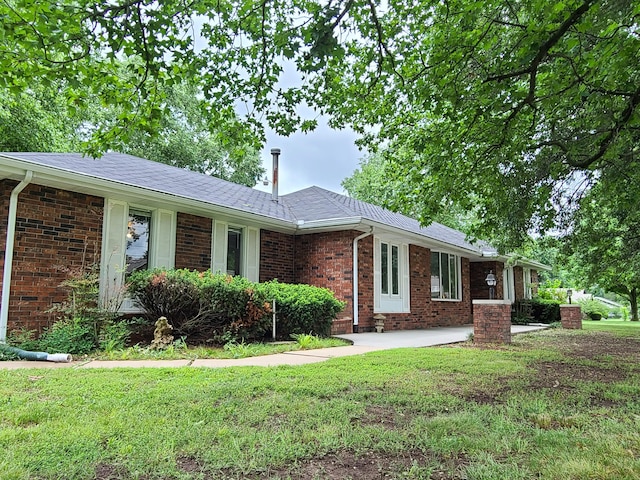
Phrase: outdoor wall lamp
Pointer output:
(569, 293)
(491, 281)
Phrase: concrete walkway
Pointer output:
(362, 343)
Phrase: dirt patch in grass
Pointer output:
(597, 357)
(371, 466)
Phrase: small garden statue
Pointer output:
(162, 337)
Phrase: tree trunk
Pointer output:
(633, 299)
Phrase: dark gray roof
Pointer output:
(310, 204)
(315, 203)
(158, 177)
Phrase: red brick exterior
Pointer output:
(479, 272)
(57, 227)
(518, 280)
(425, 312)
(571, 317)
(491, 321)
(534, 282)
(193, 242)
(326, 260)
(57, 231)
(277, 256)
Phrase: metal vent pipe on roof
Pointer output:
(275, 155)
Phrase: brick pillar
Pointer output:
(571, 316)
(492, 321)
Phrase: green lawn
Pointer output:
(615, 326)
(555, 404)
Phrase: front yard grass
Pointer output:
(554, 404)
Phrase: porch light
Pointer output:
(569, 293)
(491, 282)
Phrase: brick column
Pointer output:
(492, 321)
(571, 316)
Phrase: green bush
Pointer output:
(594, 309)
(202, 305)
(207, 306)
(67, 336)
(545, 311)
(536, 310)
(302, 308)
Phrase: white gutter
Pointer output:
(329, 223)
(355, 277)
(8, 254)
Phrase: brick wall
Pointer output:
(193, 242)
(571, 316)
(425, 312)
(491, 321)
(325, 260)
(56, 231)
(277, 256)
(479, 272)
(518, 280)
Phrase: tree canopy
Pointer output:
(39, 119)
(513, 108)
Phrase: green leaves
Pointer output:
(485, 103)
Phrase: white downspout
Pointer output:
(8, 254)
(355, 278)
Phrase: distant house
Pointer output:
(126, 213)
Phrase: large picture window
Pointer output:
(445, 276)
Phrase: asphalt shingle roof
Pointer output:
(310, 204)
(158, 177)
(315, 203)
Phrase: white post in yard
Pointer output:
(274, 319)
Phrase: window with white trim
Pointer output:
(390, 269)
(445, 276)
(134, 238)
(138, 239)
(391, 277)
(528, 292)
(236, 250)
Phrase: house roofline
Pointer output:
(93, 185)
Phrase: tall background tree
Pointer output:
(515, 108)
(373, 182)
(38, 119)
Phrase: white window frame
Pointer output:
(249, 254)
(391, 302)
(162, 246)
(509, 287)
(526, 281)
(458, 266)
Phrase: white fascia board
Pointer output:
(422, 240)
(330, 224)
(78, 182)
(525, 262)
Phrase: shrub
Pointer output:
(594, 309)
(536, 310)
(302, 308)
(202, 305)
(166, 293)
(226, 309)
(67, 336)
